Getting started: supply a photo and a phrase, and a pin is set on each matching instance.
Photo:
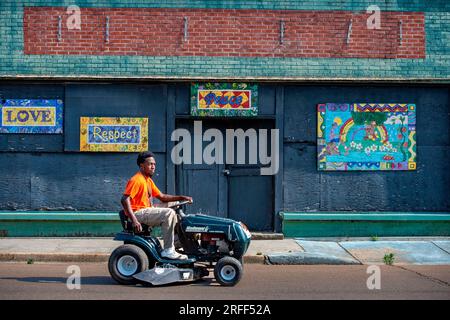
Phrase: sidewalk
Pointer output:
(419, 251)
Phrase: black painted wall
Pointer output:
(67, 181)
(426, 189)
(46, 172)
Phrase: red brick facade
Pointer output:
(228, 33)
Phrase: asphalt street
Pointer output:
(259, 282)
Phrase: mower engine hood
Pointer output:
(233, 230)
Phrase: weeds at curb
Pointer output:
(389, 259)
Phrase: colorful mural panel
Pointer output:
(101, 134)
(31, 116)
(366, 136)
(224, 99)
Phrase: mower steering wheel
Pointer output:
(179, 204)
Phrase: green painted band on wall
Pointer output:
(61, 224)
(365, 224)
(367, 216)
(294, 224)
(61, 216)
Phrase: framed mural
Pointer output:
(224, 99)
(34, 116)
(101, 134)
(366, 136)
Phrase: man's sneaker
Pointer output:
(172, 254)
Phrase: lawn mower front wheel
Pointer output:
(228, 271)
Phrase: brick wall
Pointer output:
(229, 33)
(235, 48)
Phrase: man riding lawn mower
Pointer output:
(205, 241)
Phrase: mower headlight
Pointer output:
(246, 231)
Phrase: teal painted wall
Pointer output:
(57, 224)
(435, 66)
(365, 224)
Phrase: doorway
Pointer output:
(228, 189)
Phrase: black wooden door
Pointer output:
(236, 191)
(207, 185)
(250, 197)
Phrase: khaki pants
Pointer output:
(164, 217)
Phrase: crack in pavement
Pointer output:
(349, 253)
(445, 283)
(440, 247)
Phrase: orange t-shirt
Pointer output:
(138, 189)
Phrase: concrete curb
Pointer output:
(86, 257)
(255, 259)
(267, 236)
(54, 257)
(305, 258)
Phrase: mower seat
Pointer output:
(127, 225)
